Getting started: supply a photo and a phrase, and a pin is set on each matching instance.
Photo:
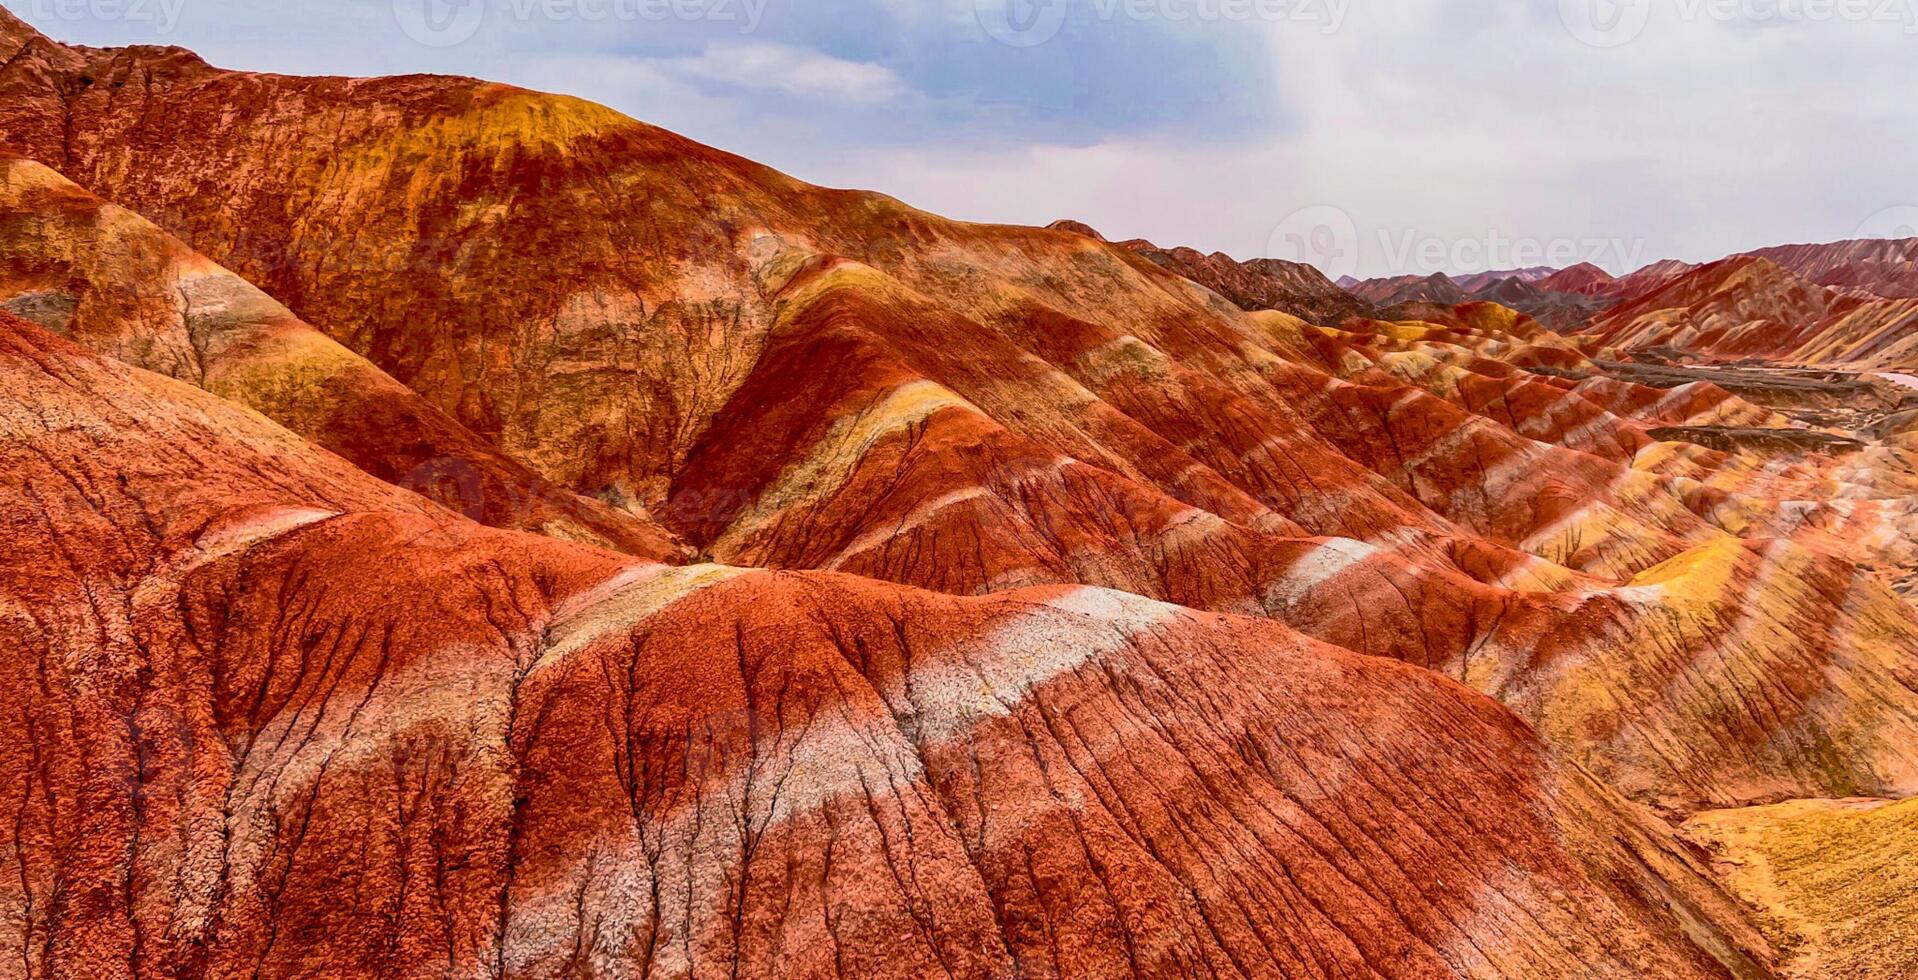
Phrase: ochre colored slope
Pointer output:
(608, 386)
(907, 476)
(298, 722)
(1735, 308)
(1832, 880)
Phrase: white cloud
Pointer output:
(633, 85)
(1489, 126)
(793, 70)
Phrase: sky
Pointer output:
(1369, 137)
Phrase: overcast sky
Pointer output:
(1368, 136)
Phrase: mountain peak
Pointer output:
(1584, 279)
(1077, 228)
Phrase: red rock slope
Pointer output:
(109, 279)
(273, 717)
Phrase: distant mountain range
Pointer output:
(1568, 300)
(1882, 267)
(1751, 306)
(1261, 284)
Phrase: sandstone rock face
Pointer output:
(1531, 274)
(1585, 279)
(1645, 280)
(1560, 299)
(903, 596)
(1562, 309)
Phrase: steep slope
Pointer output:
(575, 762)
(1740, 307)
(1562, 310)
(1873, 336)
(1647, 279)
(1436, 288)
(864, 489)
(277, 718)
(1478, 281)
(602, 378)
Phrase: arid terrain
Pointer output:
(453, 530)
